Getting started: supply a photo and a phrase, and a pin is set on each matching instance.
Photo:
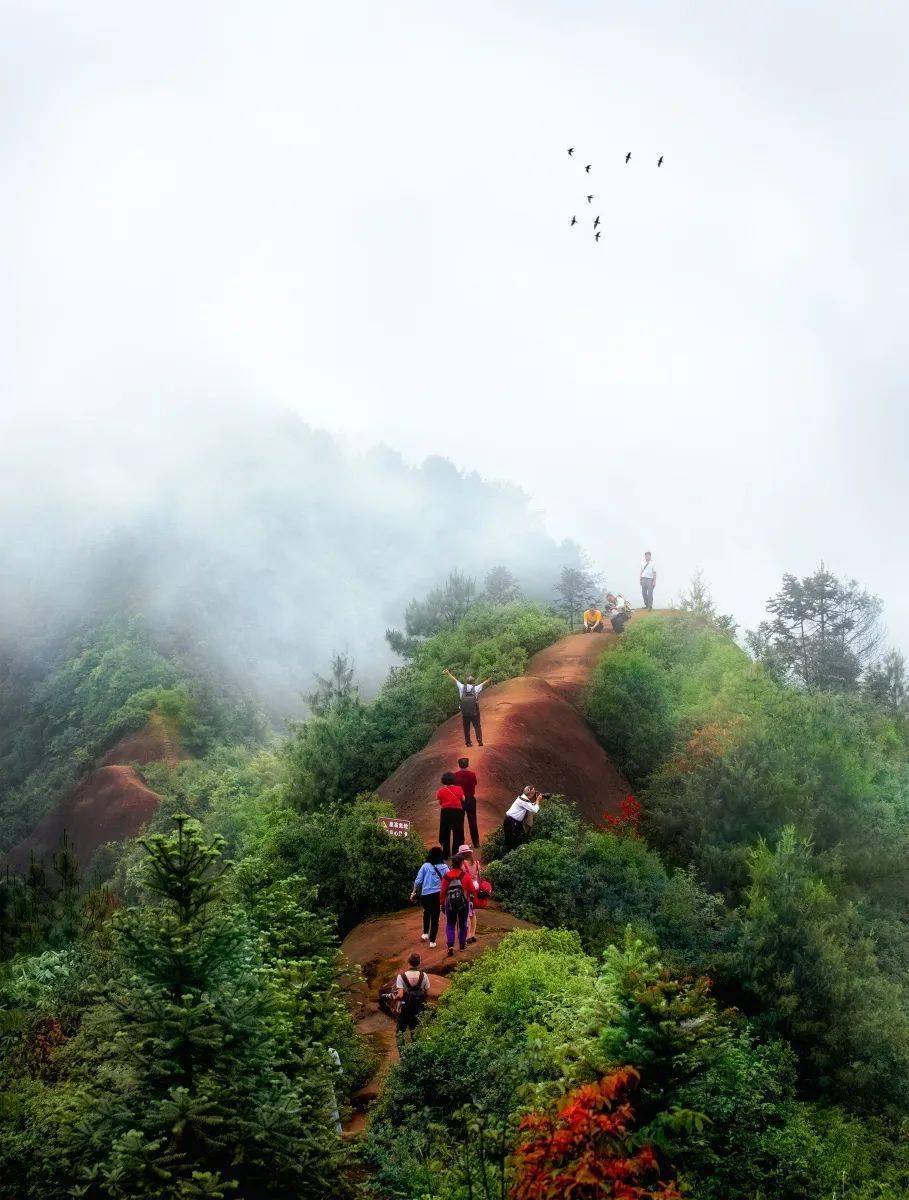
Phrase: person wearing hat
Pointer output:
(471, 863)
(469, 695)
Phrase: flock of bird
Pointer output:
(591, 197)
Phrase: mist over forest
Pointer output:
(255, 543)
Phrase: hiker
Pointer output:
(648, 579)
(451, 814)
(457, 889)
(412, 988)
(467, 782)
(469, 693)
(618, 610)
(472, 864)
(427, 886)
(519, 817)
(593, 620)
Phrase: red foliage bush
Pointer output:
(585, 1149)
(627, 819)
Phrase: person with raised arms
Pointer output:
(469, 696)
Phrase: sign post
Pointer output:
(395, 826)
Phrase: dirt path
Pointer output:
(533, 733)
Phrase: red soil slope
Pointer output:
(533, 733)
(108, 804)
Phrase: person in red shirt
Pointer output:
(451, 815)
(467, 782)
(459, 890)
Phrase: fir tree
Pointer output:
(192, 1090)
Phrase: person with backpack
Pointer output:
(618, 610)
(519, 816)
(467, 782)
(458, 888)
(469, 694)
(478, 897)
(428, 886)
(451, 815)
(412, 988)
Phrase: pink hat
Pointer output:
(465, 849)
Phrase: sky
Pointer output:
(360, 212)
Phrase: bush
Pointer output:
(629, 707)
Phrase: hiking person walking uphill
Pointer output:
(469, 694)
(428, 885)
(458, 890)
(411, 989)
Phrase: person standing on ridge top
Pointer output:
(648, 579)
(469, 693)
(467, 782)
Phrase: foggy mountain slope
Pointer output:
(262, 542)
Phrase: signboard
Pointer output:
(395, 826)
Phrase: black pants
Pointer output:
(513, 831)
(598, 628)
(618, 621)
(647, 592)
(474, 720)
(431, 914)
(470, 812)
(451, 830)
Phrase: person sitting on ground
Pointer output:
(469, 694)
(451, 815)
(467, 782)
(412, 989)
(648, 579)
(593, 620)
(428, 886)
(519, 817)
(472, 864)
(618, 610)
(458, 888)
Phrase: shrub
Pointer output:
(629, 707)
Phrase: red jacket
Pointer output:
(450, 796)
(467, 782)
(468, 883)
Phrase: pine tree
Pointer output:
(699, 601)
(191, 1092)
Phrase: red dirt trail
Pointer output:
(533, 733)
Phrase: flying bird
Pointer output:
(589, 198)
(660, 161)
(570, 151)
(587, 168)
(596, 236)
(574, 220)
(596, 222)
(627, 158)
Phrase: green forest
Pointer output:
(710, 999)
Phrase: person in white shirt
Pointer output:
(469, 695)
(519, 817)
(648, 579)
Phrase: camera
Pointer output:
(545, 795)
